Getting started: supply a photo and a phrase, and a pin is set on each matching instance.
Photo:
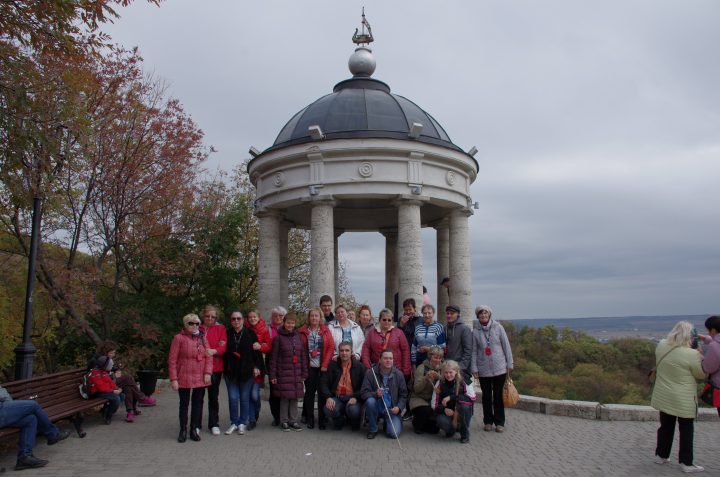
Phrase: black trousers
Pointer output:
(424, 420)
(213, 404)
(665, 435)
(197, 396)
(312, 387)
(274, 402)
(492, 402)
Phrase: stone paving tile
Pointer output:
(533, 445)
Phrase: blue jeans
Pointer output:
(374, 409)
(463, 425)
(112, 405)
(255, 402)
(31, 419)
(239, 393)
(342, 409)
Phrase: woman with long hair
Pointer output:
(452, 403)
(678, 369)
(320, 347)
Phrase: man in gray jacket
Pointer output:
(384, 382)
(459, 340)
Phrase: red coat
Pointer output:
(100, 382)
(328, 348)
(263, 336)
(396, 342)
(187, 362)
(288, 364)
(213, 336)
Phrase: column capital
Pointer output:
(440, 223)
(405, 199)
(266, 212)
(462, 211)
(320, 200)
(389, 232)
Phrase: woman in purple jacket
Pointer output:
(711, 357)
(288, 370)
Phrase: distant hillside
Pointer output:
(650, 327)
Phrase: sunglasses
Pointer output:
(193, 323)
(236, 318)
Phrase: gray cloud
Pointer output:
(597, 126)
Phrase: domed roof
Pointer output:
(362, 107)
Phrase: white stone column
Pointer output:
(391, 274)
(268, 262)
(322, 253)
(460, 276)
(443, 267)
(409, 251)
(336, 263)
(284, 230)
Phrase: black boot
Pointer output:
(310, 420)
(194, 435)
(182, 437)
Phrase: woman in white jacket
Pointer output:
(344, 329)
(491, 362)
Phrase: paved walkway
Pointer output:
(533, 445)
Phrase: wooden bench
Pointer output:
(58, 394)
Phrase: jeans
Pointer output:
(463, 424)
(112, 405)
(31, 419)
(198, 396)
(213, 404)
(255, 402)
(239, 392)
(665, 435)
(374, 409)
(492, 402)
(342, 409)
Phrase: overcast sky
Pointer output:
(597, 125)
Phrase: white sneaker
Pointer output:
(660, 460)
(692, 468)
(215, 431)
(231, 429)
(241, 429)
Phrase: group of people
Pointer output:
(393, 370)
(681, 361)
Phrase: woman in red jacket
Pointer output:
(190, 369)
(386, 336)
(264, 345)
(216, 339)
(288, 370)
(320, 347)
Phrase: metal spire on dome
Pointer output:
(362, 62)
(363, 38)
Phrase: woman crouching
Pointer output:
(453, 402)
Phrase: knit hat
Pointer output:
(454, 308)
(104, 362)
(481, 308)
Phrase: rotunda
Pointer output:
(364, 159)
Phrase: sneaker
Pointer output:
(660, 460)
(464, 440)
(295, 426)
(215, 431)
(147, 401)
(130, 417)
(29, 462)
(688, 469)
(499, 429)
(241, 429)
(487, 428)
(285, 427)
(251, 426)
(61, 436)
(231, 429)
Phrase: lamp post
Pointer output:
(25, 351)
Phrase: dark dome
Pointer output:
(362, 108)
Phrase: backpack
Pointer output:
(84, 386)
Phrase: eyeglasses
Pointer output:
(388, 319)
(236, 318)
(193, 323)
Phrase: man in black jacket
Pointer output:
(342, 382)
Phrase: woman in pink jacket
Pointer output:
(190, 369)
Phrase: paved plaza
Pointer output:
(533, 445)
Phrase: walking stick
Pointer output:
(392, 424)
